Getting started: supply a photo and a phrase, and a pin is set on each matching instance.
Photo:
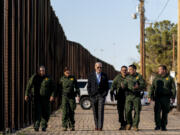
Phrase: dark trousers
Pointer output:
(121, 110)
(41, 112)
(98, 110)
(161, 105)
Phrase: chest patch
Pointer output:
(72, 79)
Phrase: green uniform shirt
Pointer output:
(116, 85)
(69, 87)
(47, 87)
(163, 86)
(132, 80)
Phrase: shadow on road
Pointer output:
(152, 130)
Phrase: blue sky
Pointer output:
(106, 27)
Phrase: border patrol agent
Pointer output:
(162, 90)
(118, 91)
(42, 90)
(68, 85)
(135, 85)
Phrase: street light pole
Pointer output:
(142, 40)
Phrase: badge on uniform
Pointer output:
(167, 78)
(72, 79)
(137, 77)
(46, 78)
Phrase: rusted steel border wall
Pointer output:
(82, 62)
(31, 35)
(1, 64)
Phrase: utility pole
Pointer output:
(142, 40)
(178, 60)
(173, 60)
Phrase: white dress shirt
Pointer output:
(98, 76)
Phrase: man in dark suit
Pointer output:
(98, 89)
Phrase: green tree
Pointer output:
(159, 46)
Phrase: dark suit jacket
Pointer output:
(95, 89)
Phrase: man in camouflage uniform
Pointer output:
(162, 90)
(68, 85)
(135, 85)
(41, 89)
(118, 91)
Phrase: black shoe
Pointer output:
(36, 129)
(157, 128)
(64, 129)
(122, 128)
(44, 129)
(72, 129)
(164, 129)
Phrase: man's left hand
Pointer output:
(136, 86)
(78, 98)
(122, 85)
(51, 99)
(173, 100)
(149, 100)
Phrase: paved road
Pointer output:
(85, 124)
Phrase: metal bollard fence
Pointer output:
(31, 35)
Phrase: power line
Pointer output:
(162, 10)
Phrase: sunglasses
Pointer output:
(99, 67)
(67, 72)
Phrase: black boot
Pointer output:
(157, 128)
(163, 128)
(36, 129)
(44, 129)
(122, 127)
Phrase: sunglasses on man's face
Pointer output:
(99, 67)
(67, 72)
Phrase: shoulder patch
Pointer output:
(167, 78)
(72, 79)
(46, 78)
(137, 77)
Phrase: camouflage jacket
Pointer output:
(69, 86)
(132, 80)
(162, 86)
(47, 87)
(116, 85)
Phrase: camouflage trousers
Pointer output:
(133, 103)
(68, 106)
